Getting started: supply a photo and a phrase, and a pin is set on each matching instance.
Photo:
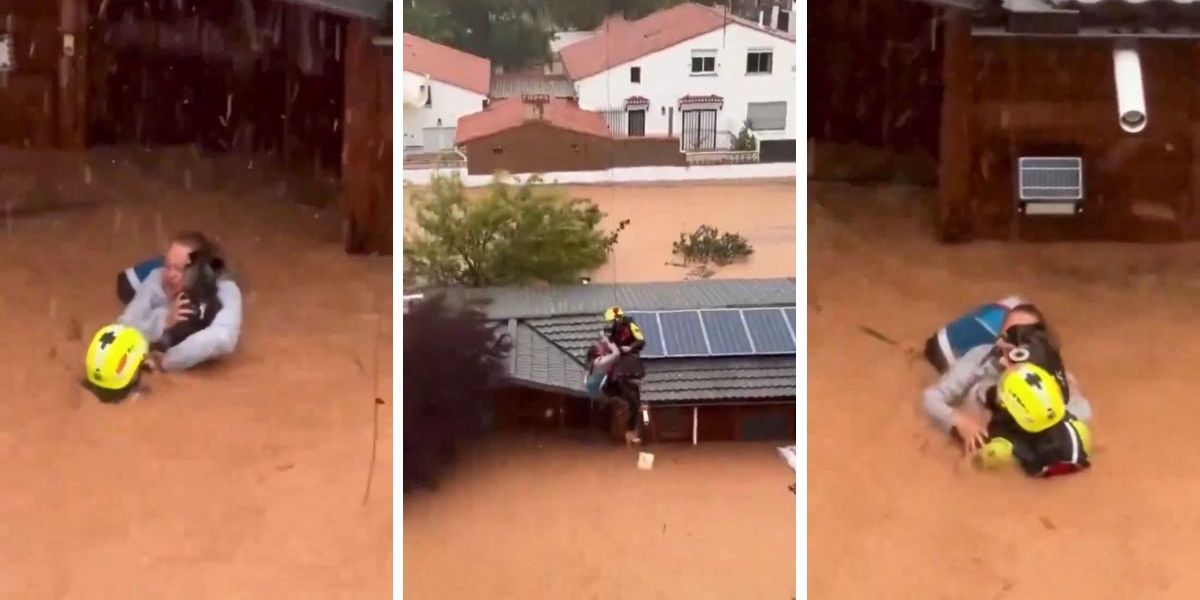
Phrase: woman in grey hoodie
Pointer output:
(160, 304)
(955, 402)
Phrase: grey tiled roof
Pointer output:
(536, 361)
(714, 379)
(539, 362)
(554, 301)
(551, 329)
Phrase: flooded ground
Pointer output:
(893, 511)
(547, 517)
(553, 517)
(242, 480)
(763, 212)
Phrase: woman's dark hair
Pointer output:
(202, 246)
(1016, 334)
(196, 242)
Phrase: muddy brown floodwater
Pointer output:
(528, 517)
(240, 481)
(763, 212)
(894, 513)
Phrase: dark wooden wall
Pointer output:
(42, 103)
(517, 408)
(874, 74)
(538, 147)
(1011, 97)
(367, 170)
(188, 71)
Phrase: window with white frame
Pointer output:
(766, 116)
(758, 62)
(704, 62)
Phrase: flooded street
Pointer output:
(244, 479)
(892, 509)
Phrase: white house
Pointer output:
(690, 71)
(441, 84)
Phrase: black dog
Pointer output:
(200, 289)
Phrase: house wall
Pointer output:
(517, 408)
(878, 66)
(211, 87)
(1012, 97)
(43, 102)
(449, 103)
(367, 169)
(622, 175)
(666, 76)
(537, 147)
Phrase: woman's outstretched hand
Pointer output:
(972, 432)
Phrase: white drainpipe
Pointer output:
(1131, 93)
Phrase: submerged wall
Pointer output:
(624, 174)
(1012, 97)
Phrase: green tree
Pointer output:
(511, 33)
(511, 235)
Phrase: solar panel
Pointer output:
(770, 331)
(682, 334)
(648, 323)
(726, 332)
(717, 332)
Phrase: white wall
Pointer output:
(666, 76)
(623, 174)
(449, 103)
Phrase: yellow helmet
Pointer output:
(114, 361)
(1032, 397)
(612, 313)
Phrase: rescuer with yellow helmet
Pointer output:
(626, 372)
(115, 359)
(1031, 425)
(623, 331)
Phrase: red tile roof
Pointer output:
(620, 42)
(447, 65)
(710, 98)
(514, 112)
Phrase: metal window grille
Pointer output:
(1050, 185)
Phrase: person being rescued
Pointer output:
(615, 366)
(969, 387)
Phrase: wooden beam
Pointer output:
(72, 74)
(954, 171)
(357, 131)
(1189, 216)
